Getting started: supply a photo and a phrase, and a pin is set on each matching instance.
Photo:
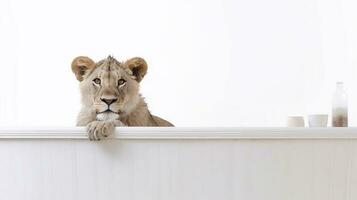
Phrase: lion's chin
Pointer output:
(108, 115)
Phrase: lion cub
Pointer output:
(110, 95)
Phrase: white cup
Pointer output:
(319, 120)
(295, 121)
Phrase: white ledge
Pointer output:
(184, 133)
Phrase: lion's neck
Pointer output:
(138, 115)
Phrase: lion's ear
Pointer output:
(80, 65)
(138, 66)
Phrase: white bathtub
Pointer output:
(179, 163)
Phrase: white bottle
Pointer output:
(339, 107)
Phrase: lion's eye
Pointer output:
(121, 81)
(97, 81)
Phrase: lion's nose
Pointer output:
(108, 101)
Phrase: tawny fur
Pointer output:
(129, 108)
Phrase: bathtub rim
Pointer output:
(203, 133)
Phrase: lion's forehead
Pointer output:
(109, 64)
(109, 70)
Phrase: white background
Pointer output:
(211, 63)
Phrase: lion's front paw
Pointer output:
(97, 130)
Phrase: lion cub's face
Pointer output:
(110, 88)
